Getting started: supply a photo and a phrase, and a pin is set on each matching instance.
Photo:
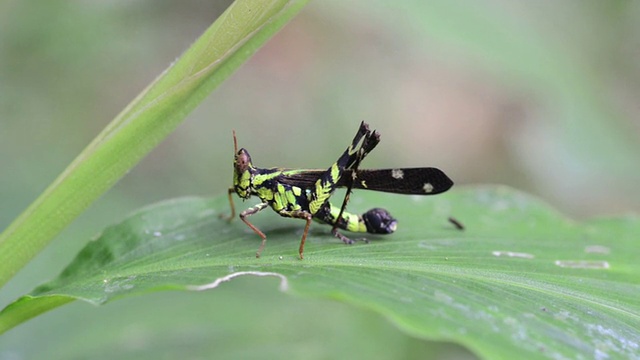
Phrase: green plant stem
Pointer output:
(143, 124)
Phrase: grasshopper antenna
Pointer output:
(235, 143)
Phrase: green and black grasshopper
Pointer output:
(304, 193)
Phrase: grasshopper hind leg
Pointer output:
(345, 239)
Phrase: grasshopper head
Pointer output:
(242, 167)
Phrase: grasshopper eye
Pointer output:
(242, 161)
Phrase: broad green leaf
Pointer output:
(520, 279)
(143, 124)
(228, 323)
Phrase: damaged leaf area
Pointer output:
(519, 278)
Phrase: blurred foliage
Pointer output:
(538, 95)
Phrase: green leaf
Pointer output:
(143, 124)
(228, 323)
(519, 279)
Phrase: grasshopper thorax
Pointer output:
(242, 167)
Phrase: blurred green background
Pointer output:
(541, 96)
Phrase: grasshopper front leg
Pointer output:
(250, 211)
(233, 208)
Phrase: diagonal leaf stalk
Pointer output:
(143, 124)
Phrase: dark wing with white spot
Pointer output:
(417, 181)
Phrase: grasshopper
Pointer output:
(304, 193)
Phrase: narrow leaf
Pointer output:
(152, 116)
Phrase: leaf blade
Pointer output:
(496, 288)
